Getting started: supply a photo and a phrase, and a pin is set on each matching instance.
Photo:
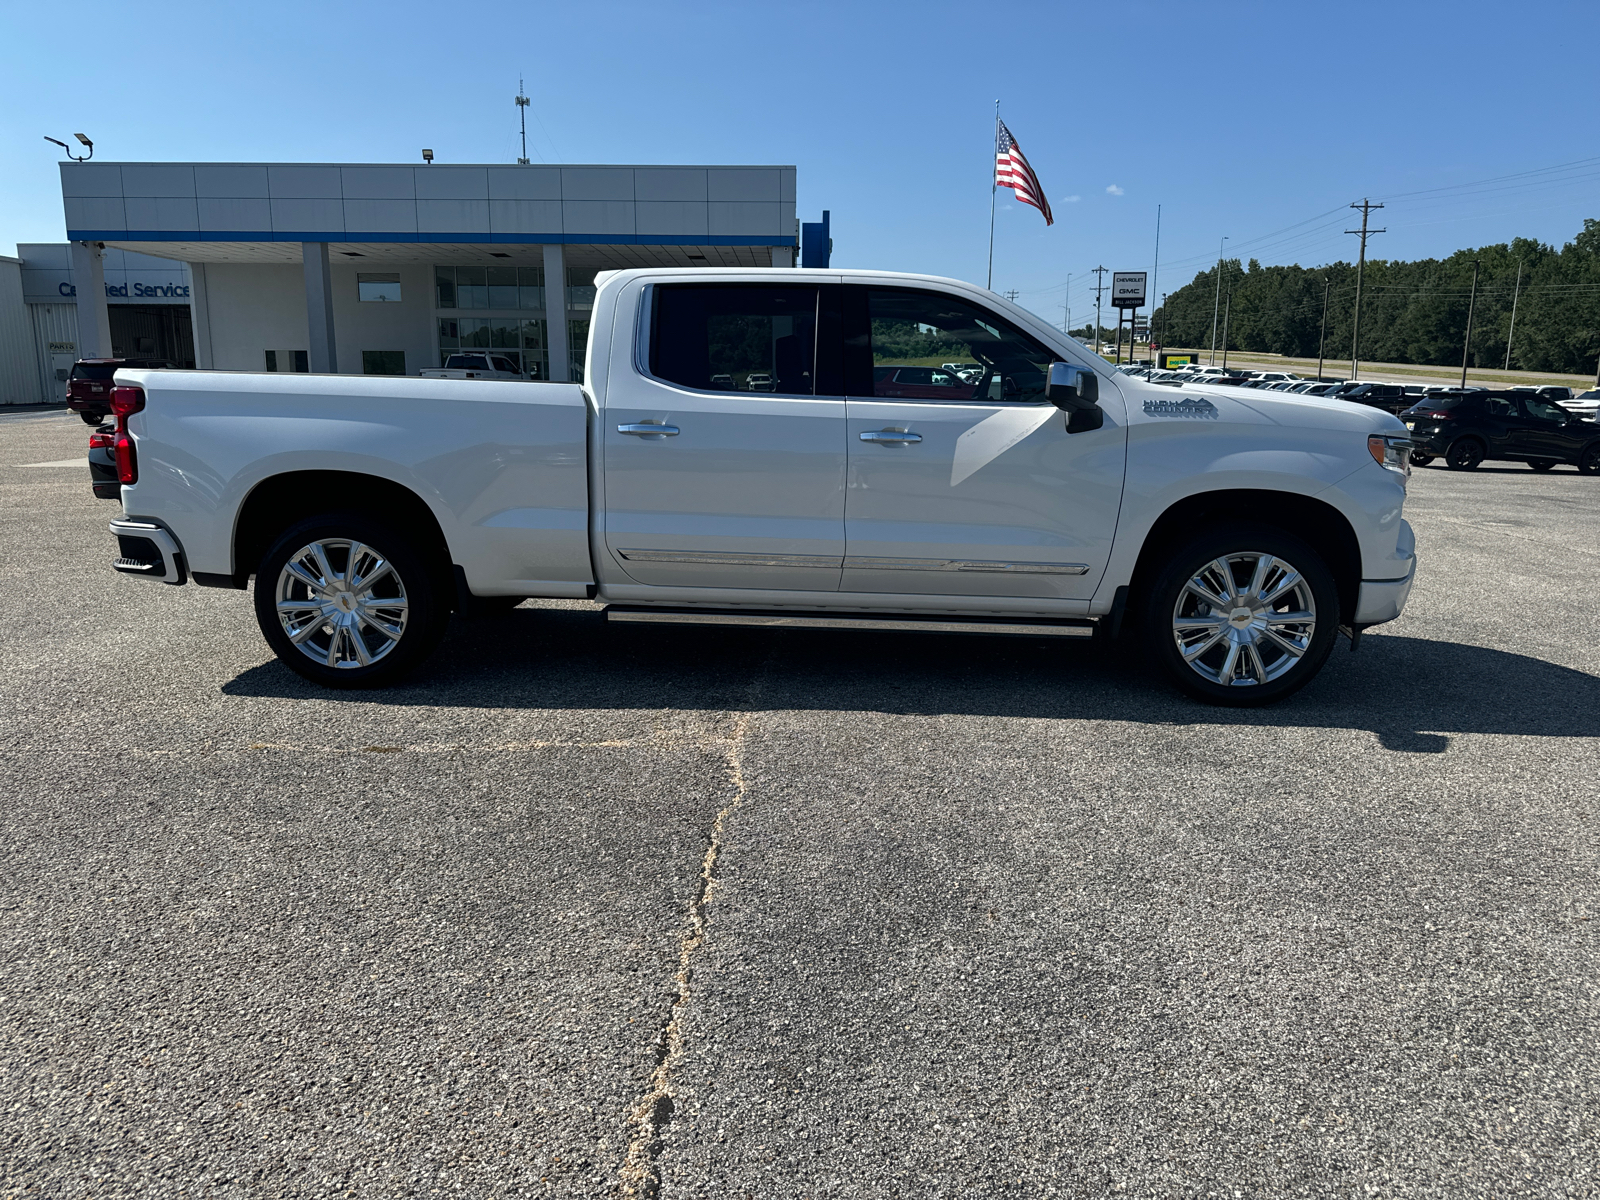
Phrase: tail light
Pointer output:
(127, 459)
(125, 401)
(1438, 414)
(101, 441)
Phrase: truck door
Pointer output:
(724, 457)
(981, 492)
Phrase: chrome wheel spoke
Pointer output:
(1288, 618)
(1212, 622)
(294, 568)
(289, 606)
(382, 569)
(1199, 588)
(321, 555)
(317, 623)
(352, 633)
(1199, 648)
(1258, 578)
(1282, 643)
(392, 632)
(1224, 570)
(1252, 657)
(1230, 664)
(1291, 579)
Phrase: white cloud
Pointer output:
(1070, 199)
(1113, 190)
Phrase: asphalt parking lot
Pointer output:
(587, 911)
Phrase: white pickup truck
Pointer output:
(1234, 532)
(473, 366)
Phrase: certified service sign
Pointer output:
(1127, 289)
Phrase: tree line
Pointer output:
(1411, 312)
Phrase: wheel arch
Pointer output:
(278, 501)
(1324, 527)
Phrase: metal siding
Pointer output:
(51, 323)
(18, 369)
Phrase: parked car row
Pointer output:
(1470, 427)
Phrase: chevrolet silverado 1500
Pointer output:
(1234, 532)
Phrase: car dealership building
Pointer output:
(376, 269)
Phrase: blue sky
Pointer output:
(1239, 119)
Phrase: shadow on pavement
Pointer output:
(1410, 692)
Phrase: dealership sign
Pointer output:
(119, 291)
(1127, 289)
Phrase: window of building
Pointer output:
(489, 288)
(383, 362)
(380, 287)
(730, 337)
(288, 360)
(522, 341)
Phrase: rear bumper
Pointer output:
(148, 550)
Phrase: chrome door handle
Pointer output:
(649, 429)
(891, 437)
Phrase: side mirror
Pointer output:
(1076, 391)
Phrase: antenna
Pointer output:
(522, 111)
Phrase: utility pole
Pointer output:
(1366, 207)
(1322, 336)
(1066, 304)
(1155, 274)
(1466, 343)
(1511, 333)
(1011, 295)
(1099, 286)
(1216, 302)
(522, 111)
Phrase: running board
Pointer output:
(898, 622)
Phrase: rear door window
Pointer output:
(93, 370)
(720, 337)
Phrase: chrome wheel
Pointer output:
(1244, 619)
(341, 603)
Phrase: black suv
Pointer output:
(1511, 426)
(1391, 397)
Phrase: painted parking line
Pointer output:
(60, 462)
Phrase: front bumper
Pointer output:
(1381, 600)
(148, 550)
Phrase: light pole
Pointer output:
(1216, 304)
(1515, 296)
(1322, 336)
(1466, 343)
(68, 149)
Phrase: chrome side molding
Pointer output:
(866, 563)
(897, 622)
(853, 561)
(730, 559)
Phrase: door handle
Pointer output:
(649, 429)
(891, 437)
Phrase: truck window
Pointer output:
(735, 337)
(915, 332)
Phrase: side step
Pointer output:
(1072, 627)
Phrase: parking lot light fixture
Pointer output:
(68, 149)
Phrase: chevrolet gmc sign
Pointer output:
(1127, 289)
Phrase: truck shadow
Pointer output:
(1411, 693)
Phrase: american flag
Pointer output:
(1011, 170)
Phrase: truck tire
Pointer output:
(1242, 615)
(348, 600)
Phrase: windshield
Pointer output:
(93, 370)
(466, 362)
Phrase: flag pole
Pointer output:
(992, 190)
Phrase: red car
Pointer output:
(920, 383)
(89, 385)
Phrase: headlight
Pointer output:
(1391, 451)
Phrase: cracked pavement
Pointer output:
(582, 911)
